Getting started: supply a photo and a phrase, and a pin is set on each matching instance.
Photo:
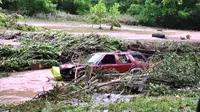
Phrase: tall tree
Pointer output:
(98, 13)
(114, 12)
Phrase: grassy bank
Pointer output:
(138, 104)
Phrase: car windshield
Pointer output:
(93, 58)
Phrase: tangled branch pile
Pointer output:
(50, 48)
(21, 58)
(10, 21)
(84, 45)
(177, 71)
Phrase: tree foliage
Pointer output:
(168, 13)
(181, 14)
(114, 11)
(83, 6)
(98, 13)
(30, 6)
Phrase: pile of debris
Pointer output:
(90, 83)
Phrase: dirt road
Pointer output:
(23, 86)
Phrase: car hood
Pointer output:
(67, 66)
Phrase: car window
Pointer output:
(139, 58)
(124, 58)
(108, 59)
(93, 59)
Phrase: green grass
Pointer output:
(153, 104)
(138, 104)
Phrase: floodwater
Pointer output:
(97, 99)
(126, 32)
(23, 86)
(103, 99)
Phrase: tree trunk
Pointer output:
(100, 27)
(111, 28)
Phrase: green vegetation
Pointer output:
(51, 49)
(160, 13)
(148, 104)
(99, 12)
(177, 70)
(100, 15)
(138, 104)
(9, 21)
(167, 13)
(19, 59)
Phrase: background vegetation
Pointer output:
(180, 14)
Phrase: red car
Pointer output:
(118, 61)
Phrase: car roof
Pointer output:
(120, 52)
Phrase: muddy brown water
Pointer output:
(126, 32)
(23, 86)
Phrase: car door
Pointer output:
(124, 63)
(141, 61)
(108, 62)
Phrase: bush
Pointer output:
(176, 71)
